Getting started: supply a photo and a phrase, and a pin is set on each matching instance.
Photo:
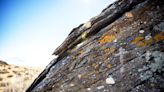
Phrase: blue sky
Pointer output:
(30, 30)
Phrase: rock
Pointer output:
(120, 50)
(3, 62)
(110, 80)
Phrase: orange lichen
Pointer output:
(159, 37)
(107, 38)
(141, 41)
(129, 14)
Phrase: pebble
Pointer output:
(88, 89)
(72, 85)
(148, 37)
(141, 31)
(100, 87)
(110, 80)
(115, 40)
(79, 76)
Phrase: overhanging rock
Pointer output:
(120, 50)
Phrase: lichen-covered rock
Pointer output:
(120, 50)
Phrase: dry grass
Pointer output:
(16, 78)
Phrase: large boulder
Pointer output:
(120, 50)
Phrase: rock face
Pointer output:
(120, 50)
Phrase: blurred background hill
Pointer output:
(15, 78)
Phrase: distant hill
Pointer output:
(3, 62)
(16, 78)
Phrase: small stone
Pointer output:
(79, 76)
(100, 63)
(141, 31)
(115, 40)
(72, 85)
(88, 89)
(110, 80)
(100, 87)
(148, 37)
(80, 44)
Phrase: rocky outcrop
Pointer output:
(3, 62)
(120, 50)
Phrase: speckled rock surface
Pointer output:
(120, 50)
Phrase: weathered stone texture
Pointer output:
(120, 50)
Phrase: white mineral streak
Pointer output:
(121, 54)
(147, 56)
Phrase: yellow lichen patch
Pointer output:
(137, 39)
(73, 57)
(129, 14)
(159, 37)
(141, 41)
(95, 65)
(86, 75)
(107, 38)
(81, 51)
(145, 42)
(110, 50)
(109, 66)
(93, 56)
(84, 35)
